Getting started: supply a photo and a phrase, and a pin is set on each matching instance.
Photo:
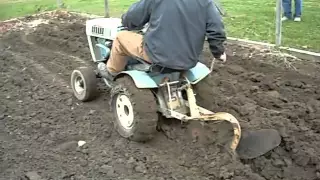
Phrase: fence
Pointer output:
(260, 20)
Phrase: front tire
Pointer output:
(135, 110)
(84, 84)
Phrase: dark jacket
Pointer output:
(177, 30)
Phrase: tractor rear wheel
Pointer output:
(135, 110)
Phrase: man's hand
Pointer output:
(137, 15)
(222, 58)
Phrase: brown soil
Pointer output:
(41, 122)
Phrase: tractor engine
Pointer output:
(100, 34)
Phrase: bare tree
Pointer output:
(278, 23)
(106, 9)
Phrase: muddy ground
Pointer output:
(41, 122)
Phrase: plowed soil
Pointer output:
(41, 122)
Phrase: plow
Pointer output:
(166, 92)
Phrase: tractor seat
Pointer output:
(163, 70)
(153, 70)
(141, 65)
(135, 64)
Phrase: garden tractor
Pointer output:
(143, 91)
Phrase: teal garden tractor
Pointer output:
(141, 92)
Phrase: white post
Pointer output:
(106, 9)
(278, 22)
(59, 3)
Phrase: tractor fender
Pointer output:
(197, 73)
(141, 79)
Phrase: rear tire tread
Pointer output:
(144, 107)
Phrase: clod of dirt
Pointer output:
(32, 175)
(108, 170)
(278, 163)
(274, 94)
(131, 160)
(256, 77)
(283, 132)
(69, 102)
(140, 168)
(67, 146)
(254, 89)
(235, 69)
(225, 173)
(92, 112)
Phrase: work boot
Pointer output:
(105, 73)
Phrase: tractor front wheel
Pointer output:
(84, 84)
(135, 110)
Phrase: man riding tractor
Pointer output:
(173, 43)
(175, 36)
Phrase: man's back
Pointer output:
(177, 30)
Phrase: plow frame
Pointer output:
(194, 112)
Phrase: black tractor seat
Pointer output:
(142, 65)
(163, 70)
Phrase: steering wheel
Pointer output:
(139, 31)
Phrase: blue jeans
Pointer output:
(287, 8)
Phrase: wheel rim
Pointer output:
(124, 111)
(79, 86)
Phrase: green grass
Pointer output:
(15, 8)
(250, 19)
(117, 7)
(255, 20)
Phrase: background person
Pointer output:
(287, 10)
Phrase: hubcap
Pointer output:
(124, 111)
(79, 85)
